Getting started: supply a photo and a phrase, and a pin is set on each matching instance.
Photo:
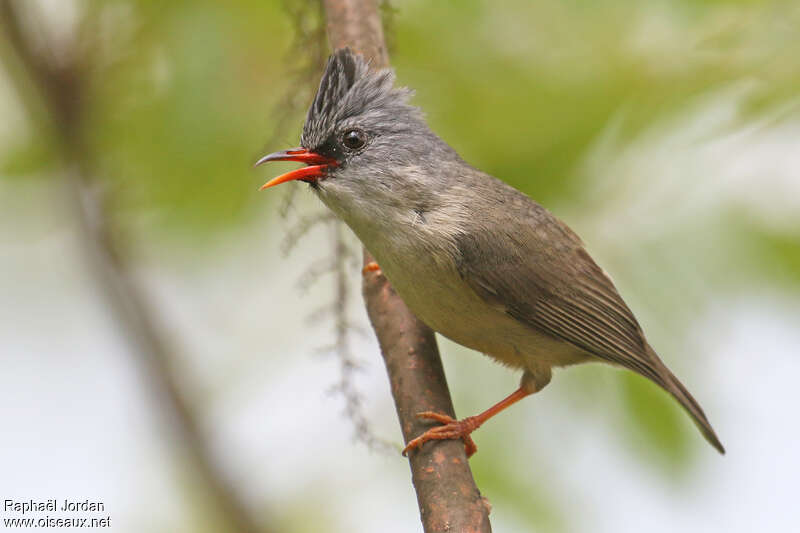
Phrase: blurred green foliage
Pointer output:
(184, 109)
(184, 96)
(537, 82)
(656, 422)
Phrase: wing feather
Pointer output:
(540, 273)
(527, 262)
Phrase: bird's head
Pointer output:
(362, 139)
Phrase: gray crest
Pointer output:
(349, 88)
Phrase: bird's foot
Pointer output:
(450, 429)
(372, 266)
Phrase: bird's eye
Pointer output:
(354, 139)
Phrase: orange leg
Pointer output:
(372, 266)
(461, 429)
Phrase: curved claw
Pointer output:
(372, 266)
(431, 415)
(450, 429)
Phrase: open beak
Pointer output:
(318, 166)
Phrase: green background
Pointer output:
(665, 133)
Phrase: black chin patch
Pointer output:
(331, 148)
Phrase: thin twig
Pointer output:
(447, 495)
(307, 57)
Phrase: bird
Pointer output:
(473, 258)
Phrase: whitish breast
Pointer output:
(420, 264)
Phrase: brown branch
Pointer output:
(59, 91)
(447, 495)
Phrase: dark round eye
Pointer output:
(354, 139)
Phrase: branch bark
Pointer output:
(447, 495)
(61, 94)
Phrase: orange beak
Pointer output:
(318, 166)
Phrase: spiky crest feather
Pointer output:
(349, 88)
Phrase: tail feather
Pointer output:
(673, 385)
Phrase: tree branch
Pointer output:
(447, 495)
(61, 94)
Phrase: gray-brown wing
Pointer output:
(530, 263)
(534, 266)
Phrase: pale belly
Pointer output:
(424, 274)
(441, 299)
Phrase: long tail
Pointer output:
(672, 385)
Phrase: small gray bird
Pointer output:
(473, 258)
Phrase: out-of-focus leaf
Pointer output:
(527, 111)
(31, 157)
(776, 254)
(657, 423)
(183, 113)
(530, 501)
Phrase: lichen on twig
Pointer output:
(307, 56)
